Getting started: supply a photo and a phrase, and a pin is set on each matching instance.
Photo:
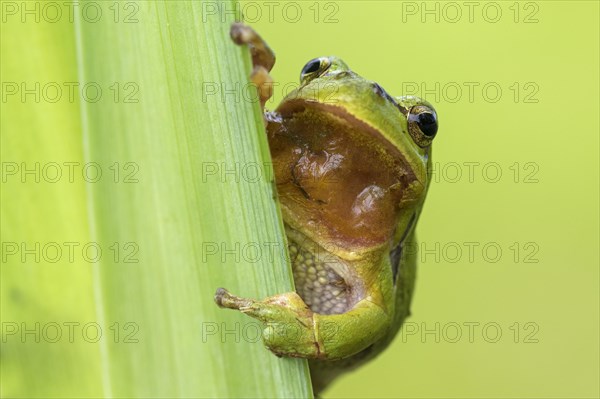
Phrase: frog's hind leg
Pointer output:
(263, 59)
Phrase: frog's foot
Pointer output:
(263, 59)
(266, 310)
(289, 326)
(261, 53)
(292, 329)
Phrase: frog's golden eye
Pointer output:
(422, 124)
(314, 68)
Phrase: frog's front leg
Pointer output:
(293, 330)
(263, 59)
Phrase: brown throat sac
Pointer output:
(340, 175)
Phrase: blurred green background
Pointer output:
(507, 298)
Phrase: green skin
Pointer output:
(352, 172)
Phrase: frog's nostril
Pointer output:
(341, 74)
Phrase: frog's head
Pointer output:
(402, 127)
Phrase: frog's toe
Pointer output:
(262, 55)
(240, 33)
(225, 299)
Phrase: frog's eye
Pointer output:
(314, 68)
(422, 124)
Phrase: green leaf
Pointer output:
(166, 188)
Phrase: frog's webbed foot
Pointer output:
(263, 59)
(292, 329)
(265, 309)
(288, 321)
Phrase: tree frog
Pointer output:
(352, 167)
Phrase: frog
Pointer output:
(352, 167)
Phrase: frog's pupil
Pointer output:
(428, 124)
(311, 66)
